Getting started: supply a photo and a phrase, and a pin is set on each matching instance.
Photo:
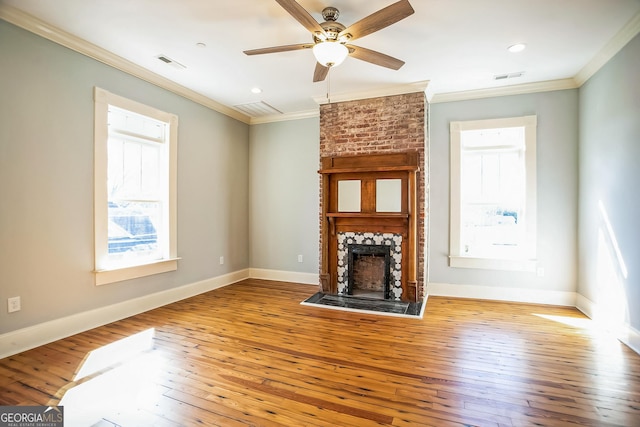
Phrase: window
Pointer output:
(135, 185)
(493, 194)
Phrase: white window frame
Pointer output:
(527, 262)
(103, 273)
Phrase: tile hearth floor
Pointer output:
(375, 306)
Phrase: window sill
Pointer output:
(528, 265)
(104, 277)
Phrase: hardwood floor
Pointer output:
(250, 354)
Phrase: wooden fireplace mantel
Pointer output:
(368, 169)
(366, 215)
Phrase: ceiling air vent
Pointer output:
(167, 60)
(257, 109)
(508, 76)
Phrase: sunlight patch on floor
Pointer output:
(116, 352)
(576, 322)
(605, 344)
(124, 382)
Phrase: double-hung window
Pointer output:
(135, 186)
(493, 194)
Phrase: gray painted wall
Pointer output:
(46, 183)
(284, 188)
(557, 178)
(610, 176)
(250, 194)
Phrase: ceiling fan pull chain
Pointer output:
(329, 86)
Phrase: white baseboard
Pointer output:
(33, 336)
(585, 305)
(631, 337)
(532, 296)
(284, 276)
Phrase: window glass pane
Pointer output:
(134, 170)
(133, 230)
(471, 171)
(150, 171)
(135, 189)
(131, 170)
(115, 165)
(492, 193)
(121, 120)
(483, 138)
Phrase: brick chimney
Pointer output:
(383, 125)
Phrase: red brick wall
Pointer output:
(380, 125)
(368, 272)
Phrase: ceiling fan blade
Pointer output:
(379, 20)
(320, 72)
(276, 49)
(301, 15)
(374, 57)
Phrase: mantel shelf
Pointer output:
(365, 169)
(367, 215)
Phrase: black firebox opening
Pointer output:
(369, 269)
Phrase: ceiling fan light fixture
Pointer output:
(330, 53)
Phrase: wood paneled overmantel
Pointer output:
(369, 170)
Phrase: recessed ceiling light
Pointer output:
(256, 90)
(200, 44)
(517, 48)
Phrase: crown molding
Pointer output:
(620, 40)
(420, 86)
(56, 35)
(520, 89)
(284, 117)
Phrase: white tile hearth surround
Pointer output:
(394, 241)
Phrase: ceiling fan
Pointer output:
(331, 40)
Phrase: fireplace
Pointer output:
(373, 155)
(377, 210)
(369, 265)
(369, 273)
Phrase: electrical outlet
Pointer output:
(13, 304)
(540, 271)
(300, 258)
(221, 260)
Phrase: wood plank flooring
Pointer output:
(250, 354)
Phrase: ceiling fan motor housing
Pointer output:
(330, 13)
(330, 26)
(331, 29)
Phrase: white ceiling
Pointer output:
(456, 45)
